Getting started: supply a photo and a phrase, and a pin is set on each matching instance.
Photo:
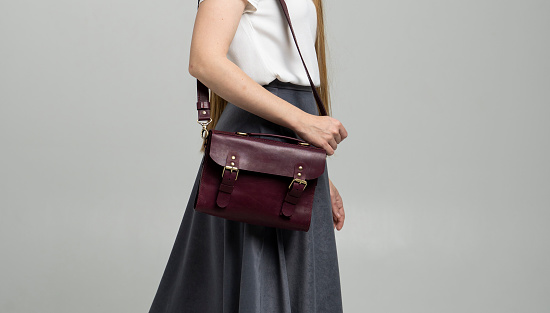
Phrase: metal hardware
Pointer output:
(241, 133)
(299, 174)
(301, 181)
(304, 143)
(204, 131)
(232, 157)
(300, 167)
(232, 168)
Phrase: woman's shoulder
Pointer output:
(251, 5)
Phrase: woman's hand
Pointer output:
(321, 131)
(338, 214)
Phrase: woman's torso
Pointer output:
(263, 46)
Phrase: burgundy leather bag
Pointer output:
(257, 180)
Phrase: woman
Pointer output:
(242, 50)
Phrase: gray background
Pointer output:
(444, 175)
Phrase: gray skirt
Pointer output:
(217, 265)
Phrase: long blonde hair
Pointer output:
(217, 103)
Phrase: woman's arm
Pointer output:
(215, 26)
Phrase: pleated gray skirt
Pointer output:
(222, 266)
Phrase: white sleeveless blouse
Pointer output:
(263, 46)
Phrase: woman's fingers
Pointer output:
(332, 135)
(333, 144)
(329, 149)
(338, 138)
(338, 214)
(341, 218)
(342, 132)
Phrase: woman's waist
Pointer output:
(286, 85)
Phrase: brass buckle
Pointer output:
(301, 181)
(232, 168)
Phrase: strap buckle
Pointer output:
(232, 168)
(301, 181)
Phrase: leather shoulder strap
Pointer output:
(203, 104)
(315, 93)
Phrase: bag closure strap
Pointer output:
(295, 190)
(203, 103)
(230, 174)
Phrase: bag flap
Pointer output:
(267, 155)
